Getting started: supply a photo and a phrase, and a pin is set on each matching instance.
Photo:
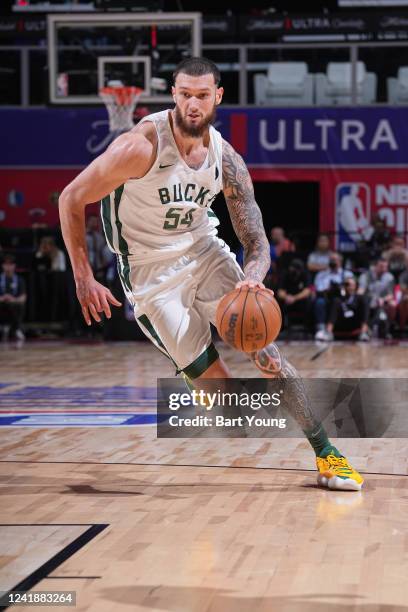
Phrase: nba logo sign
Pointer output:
(352, 215)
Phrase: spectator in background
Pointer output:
(49, 257)
(380, 238)
(96, 245)
(319, 259)
(348, 314)
(327, 286)
(397, 257)
(281, 250)
(402, 308)
(12, 299)
(49, 280)
(378, 285)
(294, 290)
(279, 243)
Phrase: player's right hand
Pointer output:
(94, 298)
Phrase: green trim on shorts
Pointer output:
(144, 320)
(107, 226)
(202, 363)
(125, 275)
(123, 245)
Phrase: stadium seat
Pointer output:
(334, 87)
(398, 87)
(286, 83)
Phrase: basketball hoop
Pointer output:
(120, 103)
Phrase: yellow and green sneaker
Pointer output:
(335, 472)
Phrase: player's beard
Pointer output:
(194, 131)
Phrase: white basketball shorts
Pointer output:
(175, 300)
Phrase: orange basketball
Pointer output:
(248, 319)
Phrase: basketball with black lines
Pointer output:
(248, 319)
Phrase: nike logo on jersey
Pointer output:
(165, 165)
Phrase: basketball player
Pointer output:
(157, 183)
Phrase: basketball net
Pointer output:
(120, 103)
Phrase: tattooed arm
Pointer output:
(245, 214)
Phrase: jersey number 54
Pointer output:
(174, 218)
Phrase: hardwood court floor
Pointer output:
(131, 522)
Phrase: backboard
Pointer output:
(85, 51)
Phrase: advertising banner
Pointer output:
(359, 157)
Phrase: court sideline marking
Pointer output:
(49, 566)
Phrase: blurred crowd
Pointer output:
(357, 295)
(323, 294)
(37, 289)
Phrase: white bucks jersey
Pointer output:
(162, 214)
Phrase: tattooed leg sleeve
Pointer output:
(274, 365)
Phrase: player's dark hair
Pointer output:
(197, 66)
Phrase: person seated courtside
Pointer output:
(48, 280)
(397, 256)
(12, 299)
(377, 284)
(294, 293)
(327, 283)
(348, 315)
(319, 259)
